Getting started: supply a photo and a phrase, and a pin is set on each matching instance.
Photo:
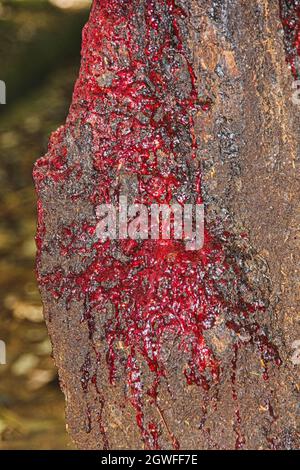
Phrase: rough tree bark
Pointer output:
(157, 347)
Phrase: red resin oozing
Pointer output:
(290, 17)
(162, 291)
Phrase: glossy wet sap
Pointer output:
(138, 96)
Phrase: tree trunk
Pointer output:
(158, 347)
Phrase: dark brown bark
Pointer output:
(248, 149)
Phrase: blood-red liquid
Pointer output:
(127, 94)
(290, 17)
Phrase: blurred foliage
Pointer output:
(39, 50)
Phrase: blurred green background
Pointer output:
(40, 55)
